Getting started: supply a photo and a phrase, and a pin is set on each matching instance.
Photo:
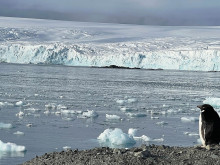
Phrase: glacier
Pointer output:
(35, 41)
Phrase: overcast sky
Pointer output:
(151, 12)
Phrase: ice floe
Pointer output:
(189, 119)
(5, 126)
(19, 103)
(50, 106)
(18, 133)
(116, 137)
(20, 114)
(88, 114)
(112, 117)
(162, 123)
(11, 147)
(191, 133)
(215, 102)
(66, 147)
(127, 101)
(133, 115)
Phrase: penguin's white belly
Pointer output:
(200, 131)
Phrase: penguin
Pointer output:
(209, 125)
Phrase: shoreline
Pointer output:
(153, 154)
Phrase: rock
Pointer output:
(214, 156)
(142, 154)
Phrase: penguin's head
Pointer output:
(205, 108)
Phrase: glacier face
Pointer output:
(96, 44)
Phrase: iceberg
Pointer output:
(95, 44)
(215, 102)
(11, 147)
(116, 137)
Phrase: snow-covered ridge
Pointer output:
(95, 44)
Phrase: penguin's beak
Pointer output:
(199, 106)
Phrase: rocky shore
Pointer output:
(153, 154)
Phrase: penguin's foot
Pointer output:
(208, 147)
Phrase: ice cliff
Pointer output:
(94, 44)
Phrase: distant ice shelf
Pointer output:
(94, 44)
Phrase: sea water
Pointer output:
(50, 108)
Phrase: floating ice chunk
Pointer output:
(18, 133)
(11, 147)
(1, 104)
(143, 138)
(71, 112)
(132, 100)
(57, 113)
(88, 114)
(59, 107)
(29, 125)
(20, 114)
(153, 117)
(136, 114)
(125, 109)
(112, 117)
(47, 112)
(191, 134)
(50, 106)
(132, 132)
(115, 137)
(5, 126)
(32, 110)
(158, 140)
(215, 102)
(4, 104)
(189, 119)
(67, 148)
(67, 118)
(121, 101)
(162, 123)
(36, 94)
(19, 103)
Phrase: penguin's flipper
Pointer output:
(208, 131)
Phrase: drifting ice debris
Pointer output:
(88, 114)
(112, 117)
(191, 134)
(19, 103)
(115, 137)
(162, 123)
(11, 147)
(215, 102)
(18, 133)
(50, 106)
(20, 114)
(66, 147)
(5, 126)
(129, 101)
(136, 114)
(189, 119)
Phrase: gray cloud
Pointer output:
(153, 12)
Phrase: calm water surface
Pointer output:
(166, 95)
